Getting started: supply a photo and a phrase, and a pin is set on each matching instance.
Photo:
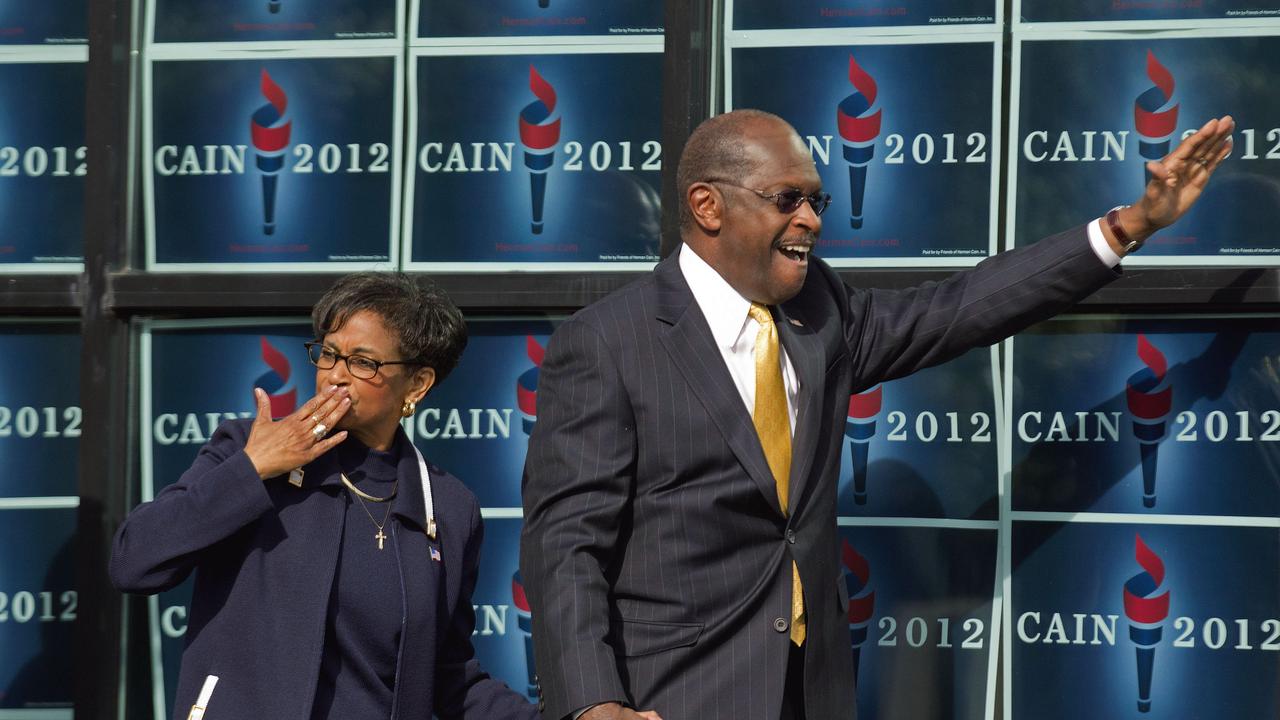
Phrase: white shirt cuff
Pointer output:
(1100, 246)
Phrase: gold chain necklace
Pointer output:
(360, 498)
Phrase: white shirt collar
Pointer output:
(724, 309)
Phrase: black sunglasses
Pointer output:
(788, 201)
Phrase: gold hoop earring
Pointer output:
(409, 408)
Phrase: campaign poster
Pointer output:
(196, 375)
(921, 620)
(924, 445)
(1127, 620)
(272, 163)
(1104, 11)
(38, 605)
(503, 635)
(476, 424)
(1090, 113)
(826, 14)
(562, 19)
(1147, 416)
(40, 417)
(48, 22)
(42, 163)
(901, 134)
(266, 20)
(543, 161)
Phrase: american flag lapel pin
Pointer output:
(435, 554)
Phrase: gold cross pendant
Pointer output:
(380, 537)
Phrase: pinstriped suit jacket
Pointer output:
(655, 556)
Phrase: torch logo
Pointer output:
(862, 600)
(527, 385)
(1146, 605)
(539, 134)
(1149, 397)
(860, 428)
(524, 618)
(282, 403)
(270, 133)
(858, 120)
(1155, 114)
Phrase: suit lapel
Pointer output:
(687, 339)
(805, 353)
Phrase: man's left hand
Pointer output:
(1178, 179)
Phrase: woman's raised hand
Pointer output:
(277, 446)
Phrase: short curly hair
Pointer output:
(430, 328)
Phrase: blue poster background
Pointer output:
(42, 162)
(1210, 461)
(37, 556)
(1227, 573)
(1115, 10)
(320, 216)
(500, 18)
(499, 640)
(907, 667)
(912, 209)
(244, 20)
(770, 15)
(1078, 87)
(40, 418)
(472, 424)
(198, 377)
(600, 212)
(954, 474)
(54, 22)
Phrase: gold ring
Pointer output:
(319, 430)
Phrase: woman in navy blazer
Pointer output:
(333, 566)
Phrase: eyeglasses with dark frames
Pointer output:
(365, 368)
(788, 201)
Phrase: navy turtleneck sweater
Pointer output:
(362, 634)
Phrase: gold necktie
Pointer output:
(774, 428)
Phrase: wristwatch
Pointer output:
(1113, 223)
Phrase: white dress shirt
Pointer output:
(734, 331)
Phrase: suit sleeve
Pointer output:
(578, 480)
(894, 333)
(162, 541)
(463, 690)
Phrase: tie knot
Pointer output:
(760, 314)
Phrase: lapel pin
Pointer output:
(796, 322)
(435, 554)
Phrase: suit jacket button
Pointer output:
(780, 624)
(791, 536)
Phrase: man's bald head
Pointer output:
(721, 148)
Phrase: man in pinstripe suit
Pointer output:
(671, 560)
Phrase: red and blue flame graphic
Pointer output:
(860, 428)
(272, 381)
(270, 134)
(524, 618)
(1146, 605)
(539, 134)
(527, 385)
(862, 599)
(1155, 114)
(1150, 398)
(858, 121)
